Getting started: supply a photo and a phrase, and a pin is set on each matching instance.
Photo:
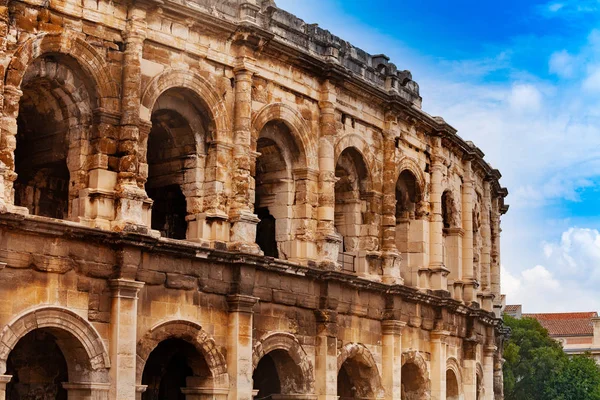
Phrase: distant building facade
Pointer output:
(578, 332)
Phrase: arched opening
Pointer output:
(51, 144)
(274, 189)
(410, 228)
(266, 378)
(276, 373)
(414, 385)
(351, 205)
(452, 389)
(171, 367)
(38, 368)
(357, 380)
(176, 156)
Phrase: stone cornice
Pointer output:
(68, 230)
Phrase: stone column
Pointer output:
(495, 256)
(4, 379)
(243, 230)
(392, 358)
(8, 143)
(328, 240)
(439, 273)
(304, 223)
(211, 225)
(391, 255)
(469, 378)
(438, 365)
(123, 332)
(87, 391)
(239, 346)
(486, 296)
(326, 366)
(488, 371)
(469, 284)
(132, 203)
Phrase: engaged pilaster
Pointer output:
(392, 358)
(439, 273)
(469, 283)
(328, 239)
(4, 379)
(438, 364)
(326, 365)
(133, 205)
(239, 354)
(391, 255)
(123, 331)
(243, 220)
(488, 371)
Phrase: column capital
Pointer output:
(392, 327)
(241, 303)
(489, 350)
(439, 335)
(4, 379)
(125, 288)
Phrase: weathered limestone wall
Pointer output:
(316, 225)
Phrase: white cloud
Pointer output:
(592, 81)
(568, 281)
(525, 98)
(562, 64)
(554, 7)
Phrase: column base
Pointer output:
(133, 210)
(210, 230)
(391, 261)
(198, 393)
(87, 390)
(243, 233)
(328, 248)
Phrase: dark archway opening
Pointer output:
(274, 189)
(357, 380)
(169, 211)
(452, 390)
(174, 364)
(265, 233)
(38, 368)
(414, 386)
(42, 185)
(266, 378)
(169, 142)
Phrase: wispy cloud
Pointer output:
(568, 8)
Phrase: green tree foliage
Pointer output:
(536, 367)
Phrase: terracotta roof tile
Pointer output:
(566, 324)
(512, 307)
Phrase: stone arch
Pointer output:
(297, 125)
(91, 62)
(409, 164)
(191, 333)
(87, 350)
(413, 362)
(286, 153)
(177, 78)
(453, 389)
(363, 357)
(288, 344)
(362, 147)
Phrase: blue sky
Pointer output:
(522, 80)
